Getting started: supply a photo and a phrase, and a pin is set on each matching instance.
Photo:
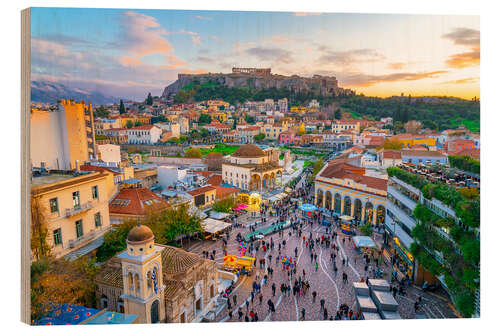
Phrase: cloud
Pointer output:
(465, 59)
(270, 54)
(469, 38)
(462, 81)
(205, 59)
(203, 18)
(396, 65)
(464, 36)
(349, 57)
(128, 61)
(142, 35)
(366, 80)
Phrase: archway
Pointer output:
(273, 179)
(380, 215)
(319, 198)
(265, 182)
(328, 200)
(357, 209)
(347, 205)
(337, 203)
(368, 212)
(155, 312)
(255, 182)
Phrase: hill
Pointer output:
(51, 92)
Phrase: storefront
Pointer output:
(403, 262)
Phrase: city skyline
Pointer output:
(127, 53)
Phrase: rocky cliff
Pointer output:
(321, 85)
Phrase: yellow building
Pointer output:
(125, 119)
(62, 138)
(273, 131)
(410, 140)
(204, 196)
(220, 116)
(75, 210)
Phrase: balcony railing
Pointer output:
(78, 209)
(87, 238)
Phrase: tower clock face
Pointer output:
(155, 280)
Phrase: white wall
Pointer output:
(110, 153)
(168, 175)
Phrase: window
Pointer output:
(97, 219)
(76, 199)
(212, 197)
(54, 207)
(57, 237)
(95, 192)
(79, 228)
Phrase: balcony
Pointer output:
(400, 214)
(409, 203)
(78, 210)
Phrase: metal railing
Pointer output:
(78, 209)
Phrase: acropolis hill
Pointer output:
(260, 78)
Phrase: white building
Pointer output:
(110, 154)
(145, 134)
(169, 175)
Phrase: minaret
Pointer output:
(143, 289)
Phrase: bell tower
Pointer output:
(143, 289)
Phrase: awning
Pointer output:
(307, 207)
(213, 226)
(364, 242)
(218, 215)
(346, 217)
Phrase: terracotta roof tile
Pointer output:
(134, 201)
(215, 180)
(222, 192)
(201, 190)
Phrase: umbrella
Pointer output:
(307, 207)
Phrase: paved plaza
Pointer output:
(319, 273)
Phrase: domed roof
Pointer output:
(249, 151)
(140, 233)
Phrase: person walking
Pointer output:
(260, 298)
(303, 312)
(316, 266)
(240, 314)
(235, 299)
(322, 303)
(273, 288)
(314, 296)
(325, 314)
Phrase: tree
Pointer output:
(259, 137)
(39, 232)
(393, 144)
(57, 282)
(204, 119)
(149, 99)
(249, 119)
(338, 114)
(224, 205)
(137, 123)
(122, 107)
(101, 112)
(129, 124)
(366, 229)
(193, 152)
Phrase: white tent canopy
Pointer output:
(213, 226)
(218, 215)
(364, 242)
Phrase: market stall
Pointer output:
(213, 228)
(346, 224)
(308, 209)
(243, 264)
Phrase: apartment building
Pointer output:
(62, 138)
(75, 209)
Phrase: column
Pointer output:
(352, 208)
(374, 220)
(363, 213)
(342, 206)
(324, 199)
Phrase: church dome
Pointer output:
(140, 234)
(249, 151)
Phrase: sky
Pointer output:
(128, 52)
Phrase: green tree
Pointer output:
(224, 205)
(259, 137)
(193, 152)
(129, 124)
(137, 123)
(122, 107)
(101, 112)
(149, 99)
(204, 119)
(249, 119)
(338, 114)
(39, 232)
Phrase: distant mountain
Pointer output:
(50, 92)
